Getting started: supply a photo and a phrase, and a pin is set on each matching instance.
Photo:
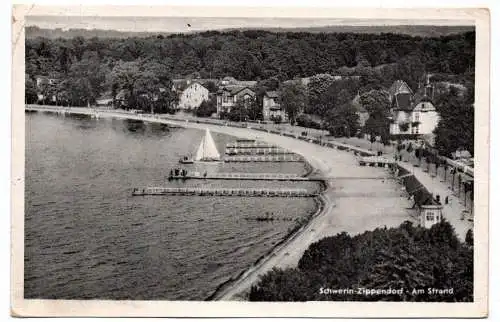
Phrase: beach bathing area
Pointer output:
(344, 201)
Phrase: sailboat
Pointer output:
(207, 151)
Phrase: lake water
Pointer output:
(86, 237)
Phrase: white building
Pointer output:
(430, 215)
(190, 93)
(271, 108)
(412, 114)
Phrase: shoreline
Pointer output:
(350, 216)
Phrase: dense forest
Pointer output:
(407, 257)
(257, 54)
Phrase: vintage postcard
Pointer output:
(250, 162)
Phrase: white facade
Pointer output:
(423, 119)
(399, 118)
(192, 96)
(271, 108)
(430, 215)
(426, 114)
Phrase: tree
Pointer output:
(377, 126)
(239, 112)
(411, 68)
(123, 76)
(342, 121)
(211, 86)
(206, 109)
(376, 102)
(30, 93)
(146, 82)
(455, 128)
(86, 78)
(320, 94)
(293, 99)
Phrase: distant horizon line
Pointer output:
(190, 24)
(237, 28)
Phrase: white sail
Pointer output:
(207, 151)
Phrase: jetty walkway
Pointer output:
(264, 158)
(254, 151)
(244, 176)
(223, 192)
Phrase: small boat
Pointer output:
(207, 151)
(186, 160)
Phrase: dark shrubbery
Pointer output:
(407, 257)
(206, 109)
(305, 120)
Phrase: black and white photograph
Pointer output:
(250, 159)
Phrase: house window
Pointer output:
(429, 216)
(417, 116)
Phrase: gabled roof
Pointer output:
(399, 87)
(234, 89)
(181, 84)
(231, 81)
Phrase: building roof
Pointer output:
(303, 81)
(228, 80)
(399, 87)
(181, 84)
(234, 89)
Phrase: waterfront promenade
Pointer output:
(366, 199)
(451, 211)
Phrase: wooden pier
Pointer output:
(256, 151)
(265, 158)
(244, 176)
(222, 192)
